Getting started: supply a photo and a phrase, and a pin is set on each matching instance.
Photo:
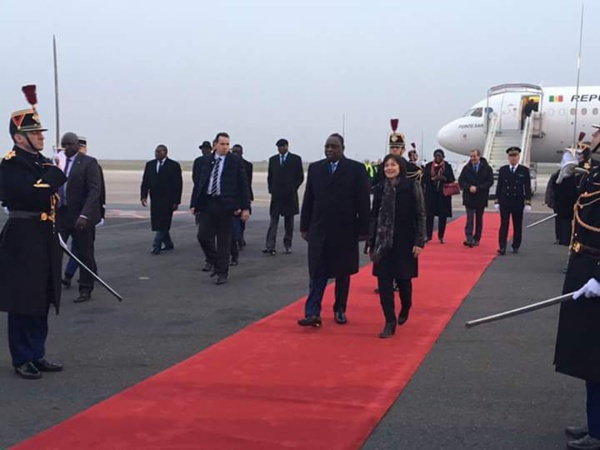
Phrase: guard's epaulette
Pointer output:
(10, 155)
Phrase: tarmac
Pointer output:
(491, 387)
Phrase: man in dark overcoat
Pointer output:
(30, 254)
(513, 198)
(284, 178)
(334, 217)
(476, 179)
(577, 351)
(239, 226)
(162, 180)
(80, 209)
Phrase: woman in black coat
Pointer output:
(397, 238)
(436, 174)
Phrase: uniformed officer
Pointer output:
(577, 350)
(30, 253)
(513, 198)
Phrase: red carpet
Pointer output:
(276, 385)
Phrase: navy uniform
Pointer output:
(513, 197)
(577, 352)
(29, 246)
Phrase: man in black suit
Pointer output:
(475, 180)
(80, 208)
(513, 198)
(285, 176)
(162, 180)
(222, 193)
(239, 226)
(334, 217)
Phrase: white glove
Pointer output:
(527, 209)
(100, 224)
(589, 289)
(497, 207)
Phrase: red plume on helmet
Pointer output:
(581, 136)
(394, 124)
(412, 144)
(30, 94)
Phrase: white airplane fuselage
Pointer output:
(555, 110)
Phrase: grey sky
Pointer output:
(134, 74)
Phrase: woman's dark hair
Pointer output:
(399, 160)
(440, 151)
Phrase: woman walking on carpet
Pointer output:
(436, 174)
(397, 238)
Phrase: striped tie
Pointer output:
(215, 178)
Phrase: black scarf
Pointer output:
(384, 240)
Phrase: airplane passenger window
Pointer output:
(584, 111)
(561, 112)
(550, 112)
(595, 111)
(477, 112)
(572, 111)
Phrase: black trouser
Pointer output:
(216, 221)
(474, 215)
(386, 296)
(563, 230)
(441, 227)
(506, 212)
(83, 248)
(27, 337)
(316, 289)
(236, 224)
(272, 233)
(213, 247)
(162, 237)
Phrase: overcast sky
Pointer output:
(134, 74)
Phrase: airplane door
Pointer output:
(510, 115)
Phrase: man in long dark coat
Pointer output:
(475, 180)
(437, 173)
(334, 217)
(284, 178)
(577, 350)
(30, 254)
(238, 240)
(162, 180)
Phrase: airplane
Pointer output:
(540, 120)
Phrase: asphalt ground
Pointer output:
(492, 387)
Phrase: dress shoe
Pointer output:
(234, 262)
(388, 331)
(208, 267)
(221, 279)
(515, 250)
(340, 317)
(288, 250)
(576, 432)
(43, 365)
(403, 317)
(83, 297)
(502, 251)
(475, 244)
(156, 251)
(241, 244)
(585, 443)
(166, 248)
(269, 251)
(310, 321)
(468, 243)
(441, 240)
(28, 371)
(66, 282)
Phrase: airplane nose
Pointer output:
(447, 136)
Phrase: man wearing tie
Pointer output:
(223, 193)
(334, 217)
(475, 181)
(162, 180)
(513, 198)
(80, 208)
(285, 176)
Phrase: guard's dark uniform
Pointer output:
(577, 343)
(30, 254)
(513, 193)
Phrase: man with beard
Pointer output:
(577, 351)
(30, 254)
(334, 217)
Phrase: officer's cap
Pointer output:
(513, 151)
(82, 141)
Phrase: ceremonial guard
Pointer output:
(577, 350)
(30, 254)
(513, 198)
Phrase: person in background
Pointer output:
(238, 242)
(436, 174)
(397, 239)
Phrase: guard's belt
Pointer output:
(42, 216)
(578, 247)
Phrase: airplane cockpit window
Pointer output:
(468, 113)
(477, 112)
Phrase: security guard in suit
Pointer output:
(29, 246)
(513, 198)
(577, 351)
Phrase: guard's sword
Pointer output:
(545, 219)
(519, 311)
(87, 269)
